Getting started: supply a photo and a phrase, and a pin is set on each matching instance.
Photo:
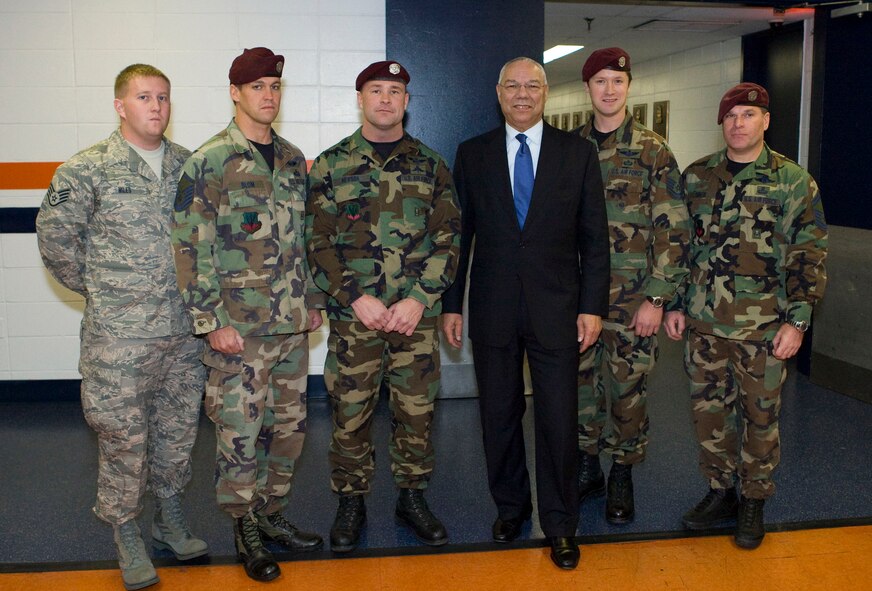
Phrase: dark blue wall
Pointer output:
(454, 51)
(840, 146)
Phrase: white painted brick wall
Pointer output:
(58, 61)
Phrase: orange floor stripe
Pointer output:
(26, 175)
(807, 560)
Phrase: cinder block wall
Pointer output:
(58, 61)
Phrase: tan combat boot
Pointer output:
(169, 531)
(137, 571)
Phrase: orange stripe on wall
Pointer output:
(26, 175)
(36, 175)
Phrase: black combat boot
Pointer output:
(718, 506)
(749, 526)
(591, 482)
(276, 528)
(259, 563)
(413, 512)
(350, 518)
(620, 506)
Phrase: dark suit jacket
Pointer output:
(560, 260)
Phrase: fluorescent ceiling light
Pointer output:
(558, 51)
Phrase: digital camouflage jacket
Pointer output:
(104, 232)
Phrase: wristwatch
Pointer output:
(800, 325)
(656, 301)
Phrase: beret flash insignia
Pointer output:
(622, 61)
(394, 69)
(752, 96)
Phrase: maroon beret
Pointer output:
(382, 71)
(256, 63)
(746, 93)
(612, 58)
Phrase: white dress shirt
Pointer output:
(534, 141)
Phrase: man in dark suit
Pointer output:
(532, 198)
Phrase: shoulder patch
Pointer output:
(55, 197)
(184, 194)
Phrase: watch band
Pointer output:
(656, 301)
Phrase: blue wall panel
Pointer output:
(454, 51)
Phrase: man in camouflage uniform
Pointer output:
(104, 232)
(648, 235)
(382, 230)
(242, 271)
(758, 251)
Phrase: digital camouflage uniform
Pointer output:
(240, 257)
(104, 232)
(648, 237)
(757, 260)
(389, 229)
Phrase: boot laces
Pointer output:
(172, 516)
(278, 521)
(348, 513)
(251, 533)
(416, 503)
(131, 542)
(751, 511)
(589, 469)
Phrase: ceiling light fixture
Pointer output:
(559, 51)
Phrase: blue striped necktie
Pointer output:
(523, 189)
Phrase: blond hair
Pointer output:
(135, 71)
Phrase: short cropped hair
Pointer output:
(135, 71)
(523, 59)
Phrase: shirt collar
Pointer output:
(534, 134)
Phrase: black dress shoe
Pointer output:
(412, 511)
(591, 482)
(506, 530)
(564, 552)
(715, 508)
(350, 518)
(620, 506)
(276, 528)
(259, 563)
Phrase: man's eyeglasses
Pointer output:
(515, 87)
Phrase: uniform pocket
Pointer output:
(247, 295)
(756, 301)
(249, 216)
(226, 400)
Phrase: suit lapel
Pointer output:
(496, 164)
(547, 170)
